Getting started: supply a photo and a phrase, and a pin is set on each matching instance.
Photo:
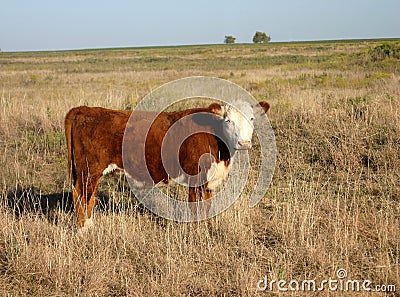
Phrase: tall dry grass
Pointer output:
(334, 201)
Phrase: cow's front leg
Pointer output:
(200, 202)
(207, 194)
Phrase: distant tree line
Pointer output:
(259, 37)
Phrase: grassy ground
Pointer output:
(334, 202)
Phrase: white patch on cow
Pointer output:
(217, 174)
(110, 168)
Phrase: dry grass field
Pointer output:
(334, 202)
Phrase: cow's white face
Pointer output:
(238, 122)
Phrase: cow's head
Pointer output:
(237, 121)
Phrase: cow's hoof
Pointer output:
(86, 227)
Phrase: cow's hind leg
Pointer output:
(92, 196)
(79, 200)
(84, 198)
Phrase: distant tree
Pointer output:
(261, 37)
(229, 39)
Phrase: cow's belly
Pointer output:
(216, 176)
(132, 182)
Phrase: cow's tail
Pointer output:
(69, 137)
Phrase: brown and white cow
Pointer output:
(95, 139)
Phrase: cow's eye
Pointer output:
(227, 121)
(252, 119)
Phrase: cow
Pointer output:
(95, 141)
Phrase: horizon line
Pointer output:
(200, 44)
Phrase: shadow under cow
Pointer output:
(29, 199)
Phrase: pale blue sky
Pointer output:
(76, 24)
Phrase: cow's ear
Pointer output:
(261, 107)
(216, 109)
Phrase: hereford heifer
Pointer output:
(95, 139)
